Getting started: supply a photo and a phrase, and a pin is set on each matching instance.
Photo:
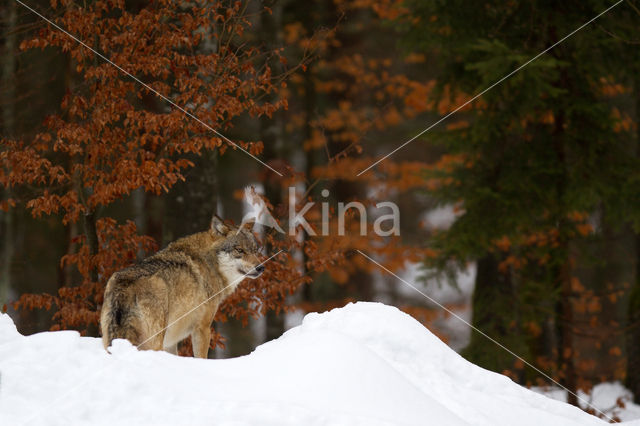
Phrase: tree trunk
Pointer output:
(310, 105)
(566, 349)
(91, 234)
(271, 132)
(495, 307)
(605, 266)
(8, 123)
(633, 332)
(633, 313)
(7, 256)
(8, 69)
(66, 273)
(139, 201)
(564, 308)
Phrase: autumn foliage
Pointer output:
(114, 135)
(536, 171)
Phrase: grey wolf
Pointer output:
(147, 303)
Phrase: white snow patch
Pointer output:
(603, 396)
(441, 217)
(364, 364)
(456, 296)
(8, 330)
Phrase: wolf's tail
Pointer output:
(119, 319)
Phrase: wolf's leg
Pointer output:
(152, 304)
(155, 328)
(200, 341)
(201, 335)
(154, 343)
(154, 331)
(172, 349)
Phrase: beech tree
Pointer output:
(115, 149)
(356, 95)
(114, 135)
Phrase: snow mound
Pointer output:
(364, 364)
(8, 330)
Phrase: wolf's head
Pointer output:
(238, 254)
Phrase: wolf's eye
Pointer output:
(239, 250)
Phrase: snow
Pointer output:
(456, 297)
(363, 364)
(603, 396)
(441, 217)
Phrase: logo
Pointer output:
(384, 225)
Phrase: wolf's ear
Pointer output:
(218, 227)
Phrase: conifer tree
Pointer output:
(539, 165)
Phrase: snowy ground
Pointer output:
(366, 363)
(605, 397)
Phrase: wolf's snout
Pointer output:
(256, 271)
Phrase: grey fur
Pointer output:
(146, 303)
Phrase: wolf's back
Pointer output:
(119, 319)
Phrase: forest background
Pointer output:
(520, 212)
